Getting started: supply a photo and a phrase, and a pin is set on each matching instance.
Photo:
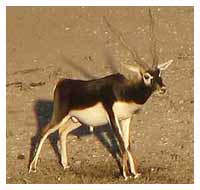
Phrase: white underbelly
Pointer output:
(96, 115)
(93, 116)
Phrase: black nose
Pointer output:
(163, 89)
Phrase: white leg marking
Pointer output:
(125, 124)
(91, 129)
(33, 164)
(118, 126)
(63, 132)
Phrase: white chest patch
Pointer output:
(97, 115)
(124, 110)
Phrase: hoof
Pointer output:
(137, 175)
(32, 169)
(125, 176)
(66, 167)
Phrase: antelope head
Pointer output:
(151, 75)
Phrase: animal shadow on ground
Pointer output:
(43, 112)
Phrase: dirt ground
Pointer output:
(48, 43)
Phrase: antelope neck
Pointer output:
(138, 93)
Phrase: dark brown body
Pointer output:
(77, 94)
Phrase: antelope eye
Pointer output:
(148, 79)
(146, 76)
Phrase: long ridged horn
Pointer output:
(153, 40)
(132, 51)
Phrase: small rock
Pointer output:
(67, 28)
(35, 60)
(21, 157)
(181, 102)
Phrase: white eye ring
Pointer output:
(147, 78)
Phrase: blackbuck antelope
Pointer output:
(110, 100)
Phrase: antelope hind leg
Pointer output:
(64, 130)
(47, 131)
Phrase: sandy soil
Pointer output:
(48, 43)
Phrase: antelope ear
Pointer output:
(164, 66)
